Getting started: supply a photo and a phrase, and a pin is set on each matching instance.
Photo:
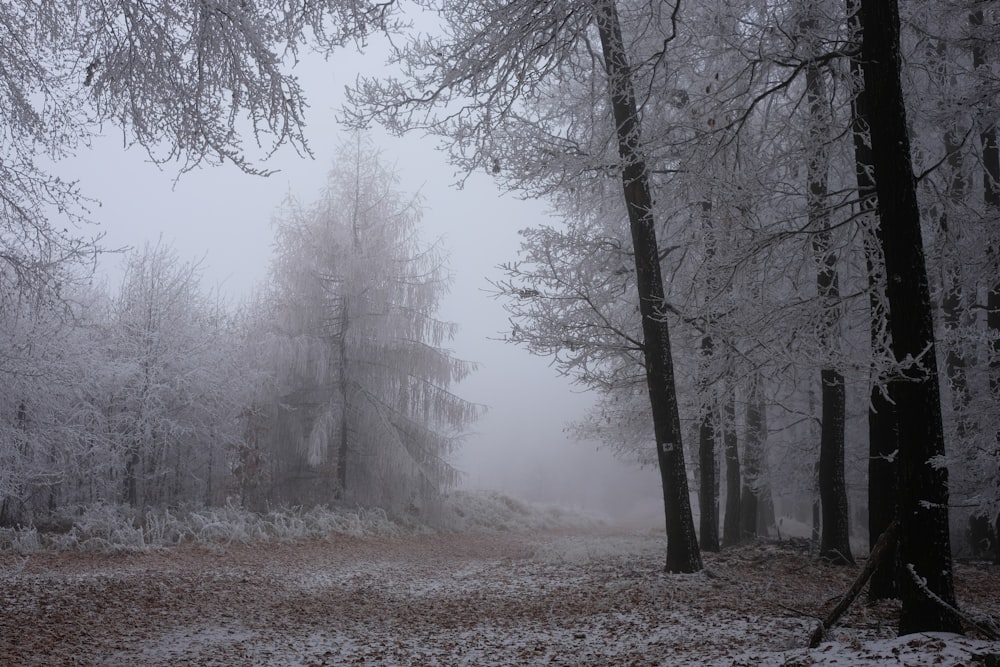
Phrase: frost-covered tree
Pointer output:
(882, 431)
(171, 399)
(744, 107)
(835, 541)
(925, 548)
(954, 146)
(190, 82)
(51, 435)
(364, 382)
(129, 397)
(484, 85)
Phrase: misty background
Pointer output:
(222, 217)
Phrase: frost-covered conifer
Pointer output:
(365, 405)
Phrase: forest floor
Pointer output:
(542, 598)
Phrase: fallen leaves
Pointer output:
(445, 599)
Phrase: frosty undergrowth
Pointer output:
(105, 527)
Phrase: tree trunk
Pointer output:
(991, 161)
(883, 440)
(708, 428)
(835, 545)
(925, 543)
(731, 529)
(342, 382)
(996, 540)
(883, 489)
(683, 554)
(990, 148)
(753, 455)
(708, 492)
(817, 514)
(765, 511)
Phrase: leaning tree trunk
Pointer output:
(883, 440)
(835, 544)
(925, 545)
(683, 554)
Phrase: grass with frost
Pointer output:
(111, 528)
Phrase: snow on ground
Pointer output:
(487, 598)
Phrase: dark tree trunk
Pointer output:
(883, 448)
(835, 544)
(708, 428)
(753, 459)
(991, 159)
(708, 492)
(925, 544)
(996, 540)
(990, 147)
(817, 514)
(683, 554)
(883, 440)
(731, 529)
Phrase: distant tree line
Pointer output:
(331, 385)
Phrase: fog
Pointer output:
(223, 217)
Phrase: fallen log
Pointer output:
(884, 545)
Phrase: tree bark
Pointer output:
(990, 155)
(683, 554)
(835, 544)
(883, 488)
(883, 440)
(708, 429)
(731, 528)
(708, 492)
(991, 161)
(923, 487)
(753, 455)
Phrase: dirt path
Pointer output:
(465, 599)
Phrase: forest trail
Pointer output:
(549, 598)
